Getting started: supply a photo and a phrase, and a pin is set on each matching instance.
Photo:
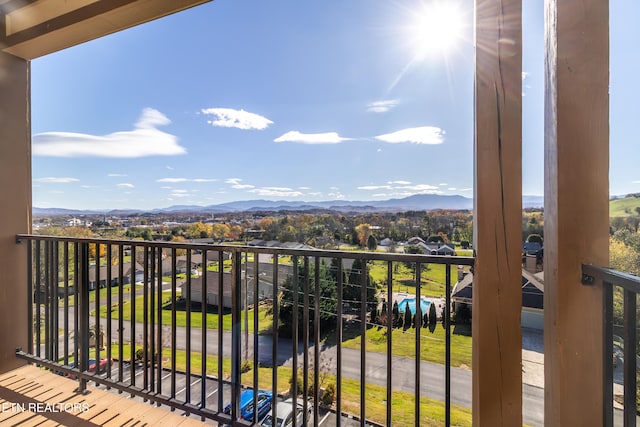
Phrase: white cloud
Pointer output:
(401, 189)
(423, 188)
(235, 183)
(443, 184)
(56, 180)
(311, 138)
(337, 195)
(116, 174)
(525, 74)
(635, 182)
(375, 187)
(381, 106)
(174, 180)
(144, 140)
(230, 118)
(304, 188)
(125, 185)
(418, 135)
(171, 180)
(276, 192)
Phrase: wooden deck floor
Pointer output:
(32, 396)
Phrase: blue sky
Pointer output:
(289, 100)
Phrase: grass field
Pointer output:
(264, 321)
(403, 403)
(432, 280)
(624, 207)
(432, 347)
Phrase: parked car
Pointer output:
(93, 366)
(246, 404)
(285, 414)
(101, 366)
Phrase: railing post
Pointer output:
(236, 333)
(630, 391)
(30, 295)
(607, 354)
(84, 314)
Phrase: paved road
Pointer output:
(431, 380)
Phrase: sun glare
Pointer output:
(436, 28)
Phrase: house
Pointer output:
(386, 242)
(103, 271)
(415, 241)
(532, 297)
(212, 296)
(114, 270)
(437, 248)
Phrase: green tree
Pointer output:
(372, 243)
(352, 293)
(294, 287)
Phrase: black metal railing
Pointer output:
(619, 337)
(123, 314)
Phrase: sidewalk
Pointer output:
(532, 357)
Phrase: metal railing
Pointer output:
(124, 314)
(626, 287)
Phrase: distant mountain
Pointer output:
(62, 212)
(415, 202)
(532, 201)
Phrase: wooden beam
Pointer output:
(68, 19)
(15, 194)
(576, 228)
(497, 288)
(60, 29)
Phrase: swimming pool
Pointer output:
(424, 305)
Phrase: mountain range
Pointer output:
(415, 202)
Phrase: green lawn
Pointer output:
(432, 280)
(264, 320)
(403, 412)
(624, 207)
(432, 346)
(126, 289)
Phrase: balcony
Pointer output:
(156, 340)
(576, 225)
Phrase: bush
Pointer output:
(245, 366)
(300, 385)
(329, 394)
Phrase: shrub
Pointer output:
(245, 366)
(329, 394)
(300, 385)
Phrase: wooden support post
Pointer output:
(576, 228)
(15, 205)
(497, 294)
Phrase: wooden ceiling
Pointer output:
(32, 28)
